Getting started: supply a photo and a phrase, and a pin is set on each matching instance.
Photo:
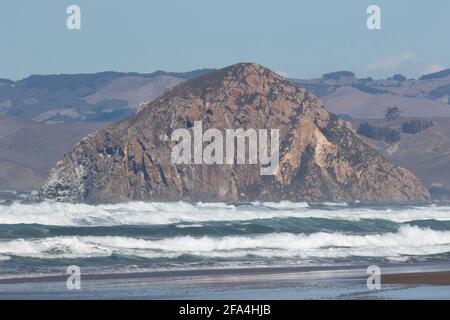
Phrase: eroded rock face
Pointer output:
(321, 159)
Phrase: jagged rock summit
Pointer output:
(321, 158)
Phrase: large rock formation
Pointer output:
(321, 158)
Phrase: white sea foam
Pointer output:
(334, 204)
(407, 241)
(181, 226)
(4, 258)
(287, 205)
(167, 213)
(140, 213)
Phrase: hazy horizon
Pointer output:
(220, 67)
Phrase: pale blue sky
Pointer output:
(300, 38)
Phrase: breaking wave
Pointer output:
(407, 241)
(140, 213)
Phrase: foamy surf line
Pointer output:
(140, 213)
(398, 246)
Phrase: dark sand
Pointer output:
(420, 278)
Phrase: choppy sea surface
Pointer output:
(43, 237)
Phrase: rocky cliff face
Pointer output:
(321, 159)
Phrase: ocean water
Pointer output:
(42, 238)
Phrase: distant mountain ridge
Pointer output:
(65, 97)
(110, 96)
(345, 94)
(436, 75)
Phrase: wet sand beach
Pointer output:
(421, 278)
(251, 283)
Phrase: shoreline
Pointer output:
(403, 274)
(293, 283)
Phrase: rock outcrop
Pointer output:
(321, 158)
